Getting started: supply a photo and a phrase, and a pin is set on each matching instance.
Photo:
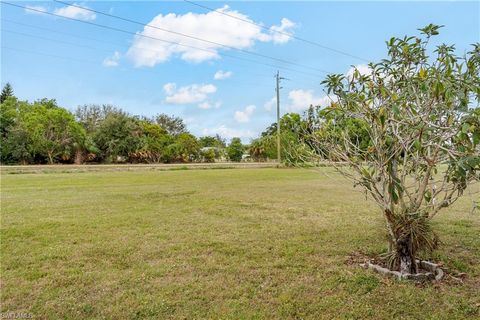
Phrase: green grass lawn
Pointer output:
(216, 244)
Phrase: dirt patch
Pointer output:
(356, 258)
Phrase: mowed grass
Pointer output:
(215, 244)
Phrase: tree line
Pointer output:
(43, 132)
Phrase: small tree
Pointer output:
(117, 136)
(423, 137)
(51, 130)
(235, 150)
(257, 150)
(208, 154)
(154, 141)
(7, 91)
(293, 134)
(189, 146)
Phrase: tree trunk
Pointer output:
(50, 158)
(407, 260)
(406, 264)
(401, 246)
(78, 157)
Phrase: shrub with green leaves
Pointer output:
(422, 119)
(235, 150)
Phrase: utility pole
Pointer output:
(279, 157)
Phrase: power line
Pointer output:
(65, 33)
(89, 38)
(49, 55)
(50, 39)
(96, 40)
(277, 31)
(158, 39)
(192, 37)
(96, 49)
(235, 83)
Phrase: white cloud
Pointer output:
(270, 104)
(35, 9)
(113, 60)
(244, 116)
(222, 75)
(76, 13)
(209, 105)
(281, 34)
(194, 93)
(228, 133)
(215, 27)
(300, 100)
(169, 88)
(362, 68)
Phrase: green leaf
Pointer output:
(422, 73)
(382, 116)
(393, 193)
(427, 196)
(395, 110)
(365, 173)
(476, 137)
(417, 144)
(439, 88)
(450, 120)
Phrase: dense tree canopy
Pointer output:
(117, 136)
(185, 148)
(212, 141)
(43, 132)
(53, 131)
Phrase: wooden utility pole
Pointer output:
(279, 157)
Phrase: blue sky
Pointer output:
(77, 63)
